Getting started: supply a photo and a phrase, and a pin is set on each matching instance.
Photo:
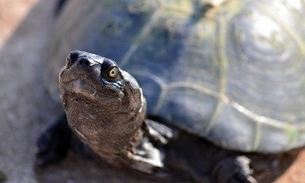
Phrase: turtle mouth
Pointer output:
(79, 86)
(64, 78)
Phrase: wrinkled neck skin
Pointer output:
(111, 128)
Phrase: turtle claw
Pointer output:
(160, 133)
(244, 173)
(234, 169)
(241, 178)
(53, 144)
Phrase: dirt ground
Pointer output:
(26, 108)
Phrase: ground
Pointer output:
(26, 108)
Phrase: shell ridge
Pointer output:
(137, 40)
(222, 59)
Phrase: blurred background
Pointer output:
(26, 108)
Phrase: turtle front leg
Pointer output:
(149, 154)
(53, 144)
(204, 162)
(147, 158)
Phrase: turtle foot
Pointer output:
(234, 170)
(53, 144)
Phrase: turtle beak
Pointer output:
(78, 65)
(79, 74)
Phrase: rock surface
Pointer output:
(26, 108)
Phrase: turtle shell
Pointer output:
(233, 74)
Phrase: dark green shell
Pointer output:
(234, 74)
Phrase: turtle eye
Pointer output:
(110, 70)
(113, 73)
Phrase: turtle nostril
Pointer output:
(84, 62)
(72, 58)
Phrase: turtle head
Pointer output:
(99, 98)
(95, 77)
(99, 80)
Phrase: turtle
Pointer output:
(223, 84)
